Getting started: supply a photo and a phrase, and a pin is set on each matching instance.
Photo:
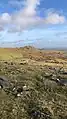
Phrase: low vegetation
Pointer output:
(32, 90)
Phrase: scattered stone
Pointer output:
(18, 95)
(48, 75)
(54, 77)
(14, 89)
(24, 88)
(0, 87)
(21, 93)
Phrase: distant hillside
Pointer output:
(31, 53)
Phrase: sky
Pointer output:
(39, 23)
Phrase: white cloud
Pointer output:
(30, 8)
(54, 18)
(27, 17)
(5, 18)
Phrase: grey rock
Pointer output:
(4, 82)
(63, 82)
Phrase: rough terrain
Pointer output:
(33, 83)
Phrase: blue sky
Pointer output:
(41, 23)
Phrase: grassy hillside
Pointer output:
(33, 92)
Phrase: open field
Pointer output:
(31, 90)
